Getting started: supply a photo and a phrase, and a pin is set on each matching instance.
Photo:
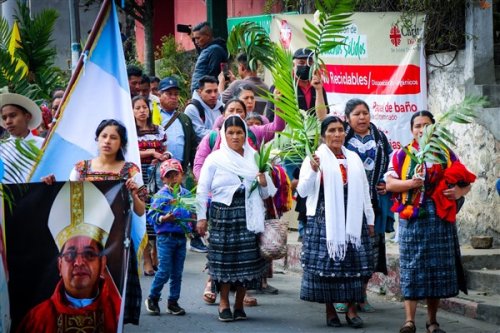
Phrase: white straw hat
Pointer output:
(26, 103)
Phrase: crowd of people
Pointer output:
(344, 191)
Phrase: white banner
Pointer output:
(382, 63)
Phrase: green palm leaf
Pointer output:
(437, 139)
(251, 39)
(334, 16)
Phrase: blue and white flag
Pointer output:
(98, 90)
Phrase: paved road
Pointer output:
(284, 312)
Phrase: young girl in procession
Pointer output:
(110, 164)
(152, 141)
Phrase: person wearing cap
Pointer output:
(20, 115)
(172, 222)
(310, 92)
(181, 139)
(85, 298)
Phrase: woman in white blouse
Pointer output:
(236, 215)
(337, 249)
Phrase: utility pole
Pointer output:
(74, 22)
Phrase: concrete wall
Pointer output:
(61, 36)
(476, 147)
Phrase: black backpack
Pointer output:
(201, 109)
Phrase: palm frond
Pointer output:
(16, 165)
(251, 39)
(36, 48)
(5, 33)
(436, 139)
(333, 17)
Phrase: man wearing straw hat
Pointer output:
(86, 298)
(20, 115)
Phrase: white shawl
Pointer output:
(340, 231)
(245, 167)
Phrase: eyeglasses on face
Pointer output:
(87, 255)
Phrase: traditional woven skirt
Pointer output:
(328, 281)
(233, 251)
(379, 253)
(430, 264)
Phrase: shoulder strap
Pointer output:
(201, 110)
(252, 137)
(172, 119)
(211, 139)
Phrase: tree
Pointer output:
(141, 11)
(35, 50)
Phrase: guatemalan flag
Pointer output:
(98, 90)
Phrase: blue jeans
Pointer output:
(171, 256)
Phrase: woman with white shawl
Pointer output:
(337, 250)
(236, 215)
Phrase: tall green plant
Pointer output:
(37, 52)
(174, 61)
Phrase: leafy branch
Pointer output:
(251, 39)
(182, 206)
(436, 138)
(262, 158)
(331, 18)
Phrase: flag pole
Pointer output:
(88, 45)
(75, 75)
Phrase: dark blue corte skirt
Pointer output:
(430, 264)
(328, 281)
(233, 251)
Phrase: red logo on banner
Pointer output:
(285, 34)
(395, 35)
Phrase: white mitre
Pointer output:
(80, 209)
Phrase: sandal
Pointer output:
(249, 301)
(365, 307)
(411, 328)
(341, 307)
(149, 273)
(333, 322)
(436, 327)
(268, 290)
(208, 296)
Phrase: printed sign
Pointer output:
(381, 62)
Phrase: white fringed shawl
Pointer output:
(342, 228)
(246, 168)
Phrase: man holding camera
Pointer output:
(213, 53)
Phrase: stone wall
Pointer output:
(476, 147)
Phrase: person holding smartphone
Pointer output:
(213, 53)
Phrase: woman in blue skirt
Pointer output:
(337, 249)
(235, 215)
(430, 265)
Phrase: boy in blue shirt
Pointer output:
(171, 222)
